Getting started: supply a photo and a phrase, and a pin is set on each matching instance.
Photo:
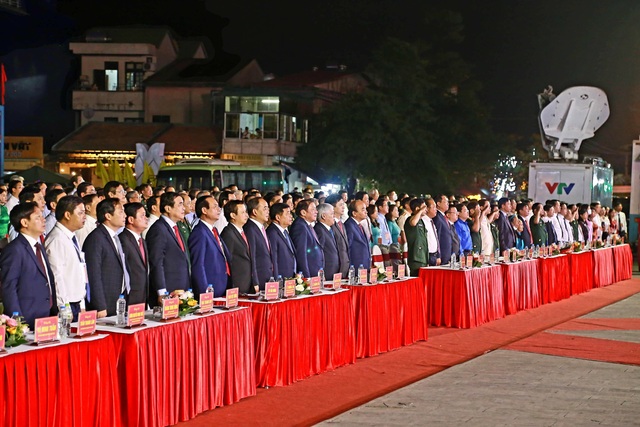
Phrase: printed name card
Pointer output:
(389, 272)
(87, 322)
(231, 298)
(401, 271)
(362, 276)
(463, 262)
(373, 275)
(337, 279)
(315, 285)
(289, 288)
(2, 335)
(46, 329)
(206, 302)
(271, 291)
(492, 258)
(170, 308)
(136, 314)
(469, 261)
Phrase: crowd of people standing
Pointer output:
(85, 246)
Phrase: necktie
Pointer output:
(266, 239)
(244, 237)
(178, 237)
(126, 282)
(286, 237)
(315, 236)
(363, 233)
(435, 233)
(526, 224)
(42, 240)
(217, 237)
(142, 253)
(44, 270)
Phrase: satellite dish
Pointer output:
(88, 113)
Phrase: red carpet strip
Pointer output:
(593, 324)
(324, 396)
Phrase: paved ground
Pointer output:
(515, 388)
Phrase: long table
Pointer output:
(73, 383)
(468, 298)
(172, 372)
(302, 336)
(389, 315)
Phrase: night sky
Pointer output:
(516, 49)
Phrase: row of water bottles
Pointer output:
(353, 278)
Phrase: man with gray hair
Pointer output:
(327, 240)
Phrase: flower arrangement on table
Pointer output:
(15, 330)
(577, 246)
(555, 249)
(382, 274)
(598, 244)
(188, 302)
(616, 239)
(477, 261)
(303, 285)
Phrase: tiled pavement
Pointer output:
(515, 388)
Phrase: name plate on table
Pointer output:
(206, 302)
(87, 323)
(469, 261)
(401, 271)
(362, 276)
(389, 272)
(2, 335)
(492, 258)
(315, 285)
(289, 288)
(46, 330)
(463, 262)
(136, 315)
(170, 308)
(231, 299)
(337, 279)
(373, 275)
(271, 291)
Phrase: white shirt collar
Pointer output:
(169, 221)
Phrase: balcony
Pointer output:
(108, 100)
(264, 147)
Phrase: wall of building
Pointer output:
(187, 105)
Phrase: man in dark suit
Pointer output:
(209, 254)
(169, 264)
(136, 253)
(523, 215)
(548, 223)
(507, 235)
(282, 250)
(108, 277)
(442, 227)
(28, 285)
(309, 254)
(359, 249)
(235, 211)
(327, 239)
(256, 233)
(340, 233)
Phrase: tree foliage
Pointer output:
(419, 127)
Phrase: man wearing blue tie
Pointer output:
(282, 250)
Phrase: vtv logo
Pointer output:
(559, 186)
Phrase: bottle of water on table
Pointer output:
(121, 308)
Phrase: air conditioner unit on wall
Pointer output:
(150, 64)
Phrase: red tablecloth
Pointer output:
(581, 272)
(553, 278)
(623, 261)
(603, 267)
(464, 298)
(175, 371)
(520, 286)
(303, 336)
(74, 384)
(389, 315)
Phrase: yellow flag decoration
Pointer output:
(148, 175)
(115, 173)
(129, 178)
(101, 172)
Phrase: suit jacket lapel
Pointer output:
(25, 242)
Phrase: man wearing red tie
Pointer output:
(234, 238)
(209, 255)
(28, 285)
(168, 253)
(309, 253)
(259, 246)
(136, 252)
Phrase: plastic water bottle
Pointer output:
(352, 275)
(61, 320)
(209, 288)
(121, 307)
(497, 255)
(361, 268)
(68, 315)
(452, 263)
(321, 276)
(15, 316)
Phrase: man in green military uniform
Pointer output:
(416, 233)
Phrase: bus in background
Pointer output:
(205, 174)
